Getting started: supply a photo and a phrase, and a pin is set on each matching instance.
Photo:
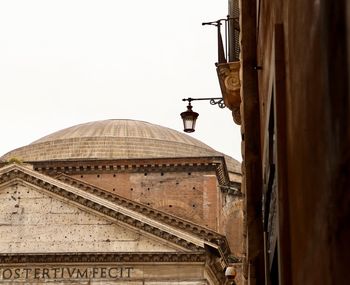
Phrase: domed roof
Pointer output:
(116, 139)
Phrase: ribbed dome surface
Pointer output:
(115, 139)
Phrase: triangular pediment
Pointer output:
(32, 220)
(43, 212)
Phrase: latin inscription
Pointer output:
(36, 273)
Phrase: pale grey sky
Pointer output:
(68, 62)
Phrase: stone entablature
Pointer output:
(217, 164)
(107, 273)
(120, 257)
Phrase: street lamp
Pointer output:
(189, 117)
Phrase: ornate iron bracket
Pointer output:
(213, 101)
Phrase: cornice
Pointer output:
(216, 164)
(127, 165)
(187, 164)
(137, 257)
(172, 164)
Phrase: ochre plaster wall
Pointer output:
(317, 138)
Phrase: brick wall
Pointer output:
(189, 195)
(194, 196)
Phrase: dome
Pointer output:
(116, 139)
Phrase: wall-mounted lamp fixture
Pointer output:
(189, 117)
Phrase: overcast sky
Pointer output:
(64, 63)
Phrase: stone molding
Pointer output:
(216, 164)
(145, 257)
(88, 166)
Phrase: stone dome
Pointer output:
(116, 139)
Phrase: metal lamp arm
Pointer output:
(213, 101)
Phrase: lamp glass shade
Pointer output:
(189, 119)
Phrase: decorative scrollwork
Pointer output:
(219, 102)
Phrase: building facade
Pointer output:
(289, 91)
(294, 115)
(120, 202)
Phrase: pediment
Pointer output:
(32, 220)
(40, 209)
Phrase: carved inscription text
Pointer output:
(61, 272)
